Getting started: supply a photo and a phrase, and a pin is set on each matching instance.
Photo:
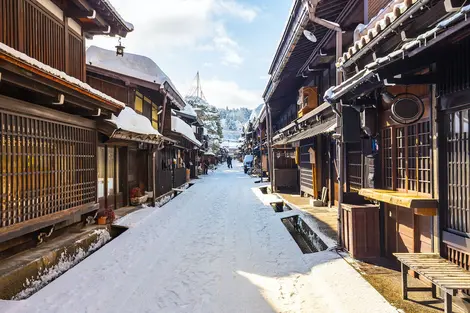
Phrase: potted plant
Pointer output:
(137, 197)
(102, 220)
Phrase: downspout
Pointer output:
(312, 7)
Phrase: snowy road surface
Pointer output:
(214, 248)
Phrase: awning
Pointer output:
(129, 125)
(322, 128)
(180, 127)
(420, 205)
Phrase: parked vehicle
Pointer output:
(248, 163)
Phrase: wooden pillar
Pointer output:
(67, 46)
(154, 176)
(435, 168)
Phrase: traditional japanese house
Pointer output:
(147, 90)
(263, 142)
(303, 151)
(48, 114)
(193, 141)
(185, 136)
(413, 95)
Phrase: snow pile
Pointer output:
(56, 73)
(66, 262)
(129, 120)
(214, 248)
(189, 110)
(179, 126)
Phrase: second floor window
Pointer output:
(154, 116)
(139, 102)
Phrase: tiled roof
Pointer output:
(335, 93)
(386, 17)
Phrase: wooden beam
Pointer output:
(22, 107)
(38, 81)
(78, 13)
(83, 5)
(48, 89)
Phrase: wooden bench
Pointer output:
(448, 276)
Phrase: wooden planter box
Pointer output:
(361, 235)
(139, 200)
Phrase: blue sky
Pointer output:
(231, 43)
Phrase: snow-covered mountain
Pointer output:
(224, 126)
(232, 121)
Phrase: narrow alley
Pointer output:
(214, 248)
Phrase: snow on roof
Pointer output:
(131, 121)
(189, 110)
(129, 26)
(133, 65)
(179, 126)
(56, 73)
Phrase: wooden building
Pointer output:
(190, 135)
(413, 96)
(303, 152)
(48, 114)
(152, 165)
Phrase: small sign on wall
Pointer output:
(312, 155)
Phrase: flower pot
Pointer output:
(139, 200)
(102, 220)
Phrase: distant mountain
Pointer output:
(232, 121)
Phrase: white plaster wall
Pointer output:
(75, 26)
(51, 7)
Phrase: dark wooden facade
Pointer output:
(48, 136)
(126, 163)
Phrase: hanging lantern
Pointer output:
(120, 48)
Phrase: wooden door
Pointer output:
(101, 156)
(121, 165)
(111, 177)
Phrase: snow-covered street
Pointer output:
(214, 248)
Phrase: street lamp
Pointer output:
(120, 49)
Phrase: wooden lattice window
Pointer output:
(458, 159)
(76, 56)
(46, 167)
(387, 157)
(411, 164)
(354, 163)
(44, 36)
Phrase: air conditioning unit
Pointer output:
(307, 101)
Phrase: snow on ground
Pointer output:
(214, 248)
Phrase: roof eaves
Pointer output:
(282, 40)
(394, 14)
(334, 94)
(25, 60)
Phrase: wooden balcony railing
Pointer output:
(29, 28)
